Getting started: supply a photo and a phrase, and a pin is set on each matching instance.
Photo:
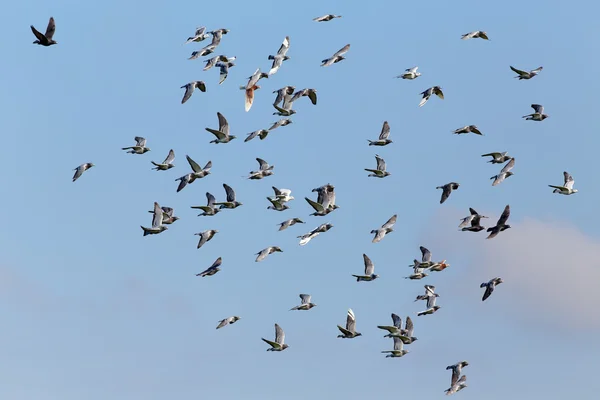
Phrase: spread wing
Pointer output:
(50, 29)
(369, 267)
(508, 166)
(397, 321)
(518, 71)
(438, 92)
(305, 298)
(223, 124)
(431, 301)
(445, 193)
(157, 219)
(317, 206)
(217, 263)
(426, 254)
(350, 321)
(539, 109)
(312, 95)
(380, 163)
(279, 335)
(569, 181)
(285, 46)
(341, 51)
(189, 89)
(230, 192)
(195, 167)
(398, 343)
(37, 34)
(538, 69)
(210, 199)
(409, 327)
(385, 131)
(504, 217)
(170, 157)
(263, 165)
(390, 222)
(140, 141)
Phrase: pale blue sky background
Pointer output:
(91, 309)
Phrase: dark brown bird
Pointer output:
(45, 39)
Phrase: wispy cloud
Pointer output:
(550, 268)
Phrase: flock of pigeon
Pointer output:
(325, 202)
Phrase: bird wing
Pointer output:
(569, 181)
(538, 108)
(229, 192)
(189, 89)
(455, 376)
(50, 29)
(369, 267)
(504, 217)
(312, 95)
(217, 263)
(210, 200)
(518, 71)
(341, 51)
(397, 321)
(508, 166)
(305, 298)
(438, 92)
(494, 154)
(279, 335)
(38, 34)
(409, 328)
(445, 193)
(249, 99)
(431, 301)
(475, 130)
(317, 206)
(429, 290)
(140, 141)
(390, 222)
(203, 239)
(488, 292)
(538, 69)
(223, 322)
(263, 165)
(285, 46)
(184, 180)
(157, 219)
(380, 163)
(350, 321)
(223, 124)
(426, 254)
(195, 167)
(385, 131)
(170, 157)
(218, 134)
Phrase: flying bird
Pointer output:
(205, 236)
(468, 129)
(222, 134)
(425, 258)
(395, 330)
(277, 205)
(327, 17)
(567, 188)
(474, 220)
(456, 371)
(281, 122)
(497, 157)
(224, 70)
(213, 269)
(384, 230)
(410, 73)
(281, 56)
(278, 344)
(447, 189)
(139, 148)
(369, 271)
(264, 170)
(384, 139)
(431, 91)
(459, 385)
(210, 208)
(261, 133)
(380, 172)
(337, 57)
(287, 223)
(81, 169)
(199, 35)
(305, 303)
(228, 321)
(212, 62)
(231, 201)
(157, 222)
(418, 271)
(190, 87)
(197, 173)
(46, 38)
(526, 75)
(350, 331)
(398, 348)
(475, 35)
(304, 239)
(265, 252)
(501, 224)
(283, 195)
(431, 307)
(168, 217)
(538, 115)
(429, 292)
(206, 50)
(504, 173)
(251, 86)
(489, 287)
(283, 92)
(166, 164)
(310, 93)
(217, 35)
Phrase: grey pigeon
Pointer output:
(380, 172)
(349, 332)
(398, 348)
(384, 139)
(526, 75)
(278, 344)
(281, 56)
(139, 148)
(199, 35)
(261, 255)
(538, 115)
(190, 87)
(410, 73)
(429, 92)
(305, 303)
(337, 57)
(489, 287)
(157, 222)
(504, 173)
(326, 17)
(222, 134)
(213, 269)
(166, 164)
(287, 223)
(475, 35)
(304, 239)
(81, 169)
(498, 157)
(468, 129)
(206, 236)
(210, 208)
(231, 201)
(228, 321)
(447, 189)
(456, 371)
(369, 274)
(384, 230)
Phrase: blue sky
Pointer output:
(93, 309)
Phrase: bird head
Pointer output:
(374, 276)
(575, 190)
(285, 346)
(235, 318)
(175, 219)
(359, 334)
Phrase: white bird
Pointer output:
(227, 321)
(327, 17)
(504, 173)
(384, 230)
(283, 195)
(278, 344)
(281, 56)
(307, 237)
(410, 73)
(81, 169)
(567, 188)
(384, 139)
(157, 222)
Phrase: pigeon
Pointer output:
(157, 222)
(212, 62)
(538, 115)
(222, 135)
(456, 370)
(384, 139)
(320, 210)
(395, 330)
(210, 208)
(337, 57)
(281, 56)
(439, 266)
(264, 170)
(468, 129)
(459, 385)
(447, 189)
(46, 38)
(304, 239)
(278, 344)
(265, 252)
(168, 217)
(398, 348)
(197, 173)
(213, 269)
(261, 133)
(281, 122)
(474, 220)
(369, 271)
(81, 169)
(305, 303)
(567, 188)
(199, 35)
(504, 173)
(277, 205)
(429, 292)
(167, 164)
(380, 172)
(384, 230)
(189, 89)
(406, 335)
(498, 158)
(206, 50)
(500, 225)
(410, 73)
(326, 196)
(224, 70)
(427, 94)
(217, 36)
(251, 86)
(489, 287)
(526, 75)
(327, 17)
(474, 35)
(418, 271)
(350, 331)
(231, 201)
(286, 224)
(139, 148)
(283, 195)
(310, 93)
(228, 321)
(431, 307)
(281, 93)
(205, 236)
